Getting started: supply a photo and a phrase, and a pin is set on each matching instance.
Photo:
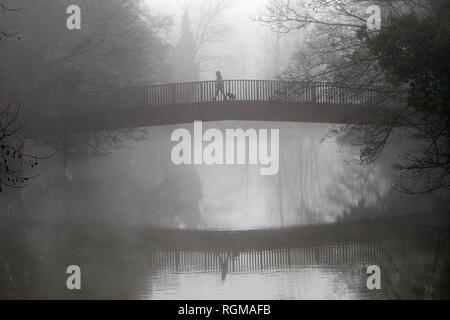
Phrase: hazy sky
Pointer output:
(247, 41)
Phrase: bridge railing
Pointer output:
(205, 91)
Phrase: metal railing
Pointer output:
(205, 91)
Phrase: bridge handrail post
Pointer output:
(257, 90)
(173, 93)
(313, 92)
(202, 98)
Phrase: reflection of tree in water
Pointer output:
(27, 270)
(314, 184)
(175, 201)
(318, 185)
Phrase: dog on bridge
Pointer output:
(228, 96)
(231, 96)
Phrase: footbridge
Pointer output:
(177, 103)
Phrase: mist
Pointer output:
(86, 118)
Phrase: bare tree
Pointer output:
(3, 33)
(341, 48)
(277, 53)
(15, 161)
(210, 30)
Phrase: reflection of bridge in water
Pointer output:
(123, 262)
(259, 100)
(260, 260)
(345, 243)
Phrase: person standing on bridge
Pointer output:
(219, 86)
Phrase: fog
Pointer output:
(240, 53)
(126, 176)
(138, 184)
(248, 50)
(88, 108)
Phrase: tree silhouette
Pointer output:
(14, 160)
(409, 78)
(184, 64)
(203, 32)
(3, 33)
